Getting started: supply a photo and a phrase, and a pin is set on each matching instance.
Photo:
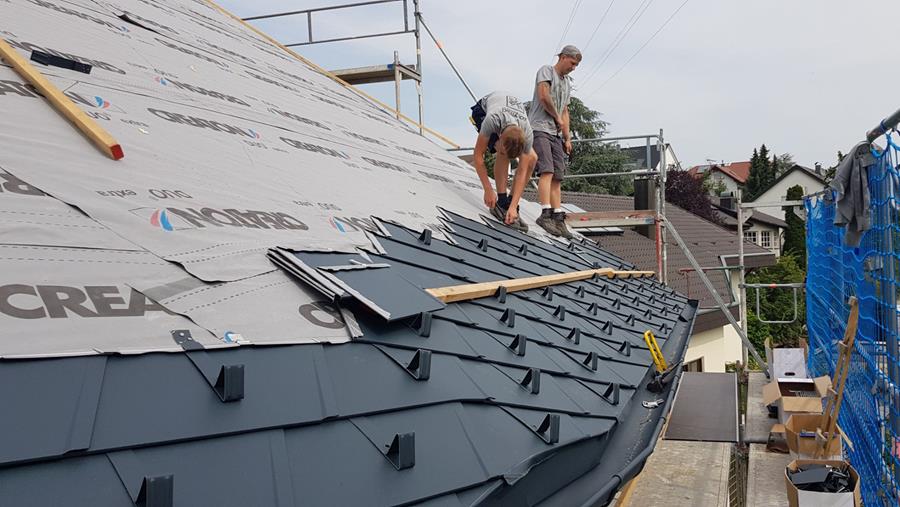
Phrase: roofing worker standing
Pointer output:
(503, 128)
(549, 117)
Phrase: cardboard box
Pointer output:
(800, 498)
(796, 395)
(800, 432)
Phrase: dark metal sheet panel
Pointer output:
(48, 406)
(705, 408)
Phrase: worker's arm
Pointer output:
(547, 102)
(523, 172)
(490, 197)
(567, 135)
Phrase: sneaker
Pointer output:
(500, 214)
(548, 224)
(560, 218)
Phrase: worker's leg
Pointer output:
(556, 194)
(501, 175)
(559, 170)
(544, 170)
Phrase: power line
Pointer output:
(568, 24)
(602, 18)
(623, 32)
(616, 73)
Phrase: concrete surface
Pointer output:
(757, 422)
(684, 474)
(765, 477)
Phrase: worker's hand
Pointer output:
(558, 121)
(567, 145)
(490, 198)
(512, 214)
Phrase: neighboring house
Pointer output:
(724, 178)
(760, 228)
(714, 342)
(811, 180)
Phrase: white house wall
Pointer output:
(779, 190)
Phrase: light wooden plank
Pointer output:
(479, 290)
(63, 105)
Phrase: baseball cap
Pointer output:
(570, 50)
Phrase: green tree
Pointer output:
(781, 163)
(762, 173)
(776, 304)
(594, 157)
(795, 235)
(754, 179)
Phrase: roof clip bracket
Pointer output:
(580, 291)
(518, 344)
(549, 429)
(560, 312)
(523, 250)
(483, 245)
(157, 491)
(423, 324)
(230, 383)
(501, 294)
(591, 361)
(532, 380)
(625, 349)
(420, 365)
(611, 394)
(402, 451)
(608, 327)
(425, 237)
(593, 309)
(509, 317)
(574, 335)
(547, 293)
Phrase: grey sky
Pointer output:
(807, 77)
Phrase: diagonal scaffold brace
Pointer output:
(715, 294)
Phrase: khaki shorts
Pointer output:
(551, 155)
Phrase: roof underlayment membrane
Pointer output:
(235, 313)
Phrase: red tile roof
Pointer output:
(738, 171)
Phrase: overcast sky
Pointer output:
(807, 77)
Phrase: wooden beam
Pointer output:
(627, 218)
(63, 105)
(479, 290)
(296, 55)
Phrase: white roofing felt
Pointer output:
(232, 147)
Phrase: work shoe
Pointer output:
(499, 213)
(560, 218)
(548, 224)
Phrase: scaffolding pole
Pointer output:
(742, 290)
(712, 290)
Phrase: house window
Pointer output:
(695, 366)
(750, 236)
(765, 239)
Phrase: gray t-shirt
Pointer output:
(560, 93)
(502, 110)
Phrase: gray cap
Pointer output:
(570, 50)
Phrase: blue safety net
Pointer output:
(869, 415)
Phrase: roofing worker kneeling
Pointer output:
(503, 128)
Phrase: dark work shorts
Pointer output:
(551, 155)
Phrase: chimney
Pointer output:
(818, 168)
(645, 198)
